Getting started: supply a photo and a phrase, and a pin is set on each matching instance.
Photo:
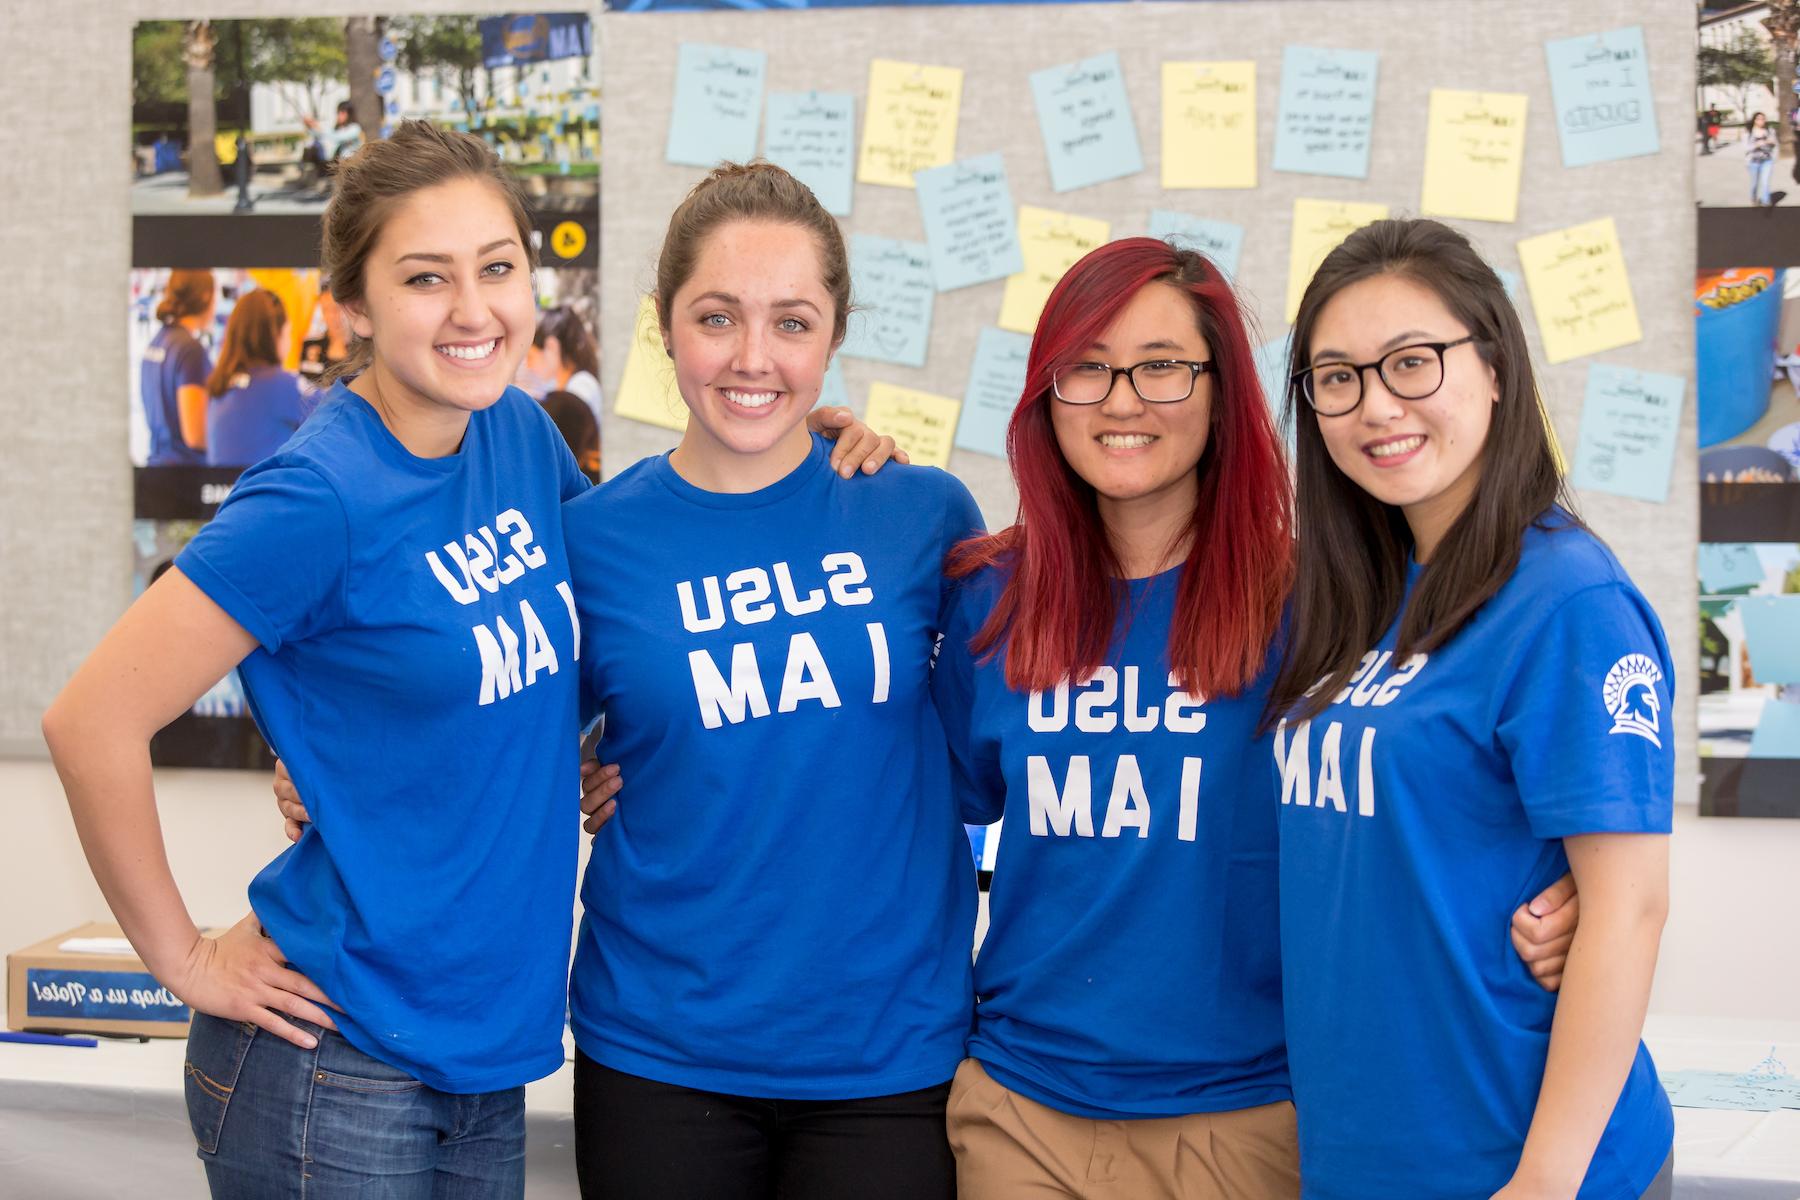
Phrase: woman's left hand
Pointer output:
(857, 444)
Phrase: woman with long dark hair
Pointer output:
(564, 355)
(256, 403)
(1472, 701)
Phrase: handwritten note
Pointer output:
(1220, 241)
(1580, 290)
(1474, 153)
(920, 422)
(1327, 111)
(647, 390)
(813, 136)
(1778, 736)
(1209, 125)
(1600, 87)
(996, 382)
(911, 122)
(892, 286)
(1319, 225)
(968, 213)
(1722, 1089)
(718, 100)
(1272, 372)
(1772, 632)
(1050, 243)
(1726, 566)
(833, 392)
(1085, 116)
(1629, 426)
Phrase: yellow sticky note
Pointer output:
(1474, 151)
(1050, 243)
(1209, 125)
(647, 392)
(911, 121)
(1319, 225)
(920, 422)
(1579, 290)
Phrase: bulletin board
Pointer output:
(1646, 511)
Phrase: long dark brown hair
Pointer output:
(251, 337)
(1350, 574)
(1055, 617)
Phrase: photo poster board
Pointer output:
(528, 84)
(1633, 215)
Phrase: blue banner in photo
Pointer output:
(92, 995)
(534, 37)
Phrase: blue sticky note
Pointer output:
(996, 381)
(1772, 633)
(718, 102)
(1629, 425)
(1727, 565)
(892, 287)
(1085, 117)
(1272, 371)
(813, 136)
(970, 222)
(1510, 281)
(1600, 88)
(1777, 731)
(833, 391)
(1220, 241)
(1327, 111)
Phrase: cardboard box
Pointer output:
(62, 992)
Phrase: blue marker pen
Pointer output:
(47, 1039)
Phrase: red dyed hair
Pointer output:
(1056, 614)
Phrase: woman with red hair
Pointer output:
(1104, 669)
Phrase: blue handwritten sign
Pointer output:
(1085, 116)
(892, 285)
(89, 995)
(718, 103)
(970, 223)
(1327, 112)
(1600, 88)
(813, 136)
(1629, 425)
(996, 381)
(1220, 241)
(1725, 566)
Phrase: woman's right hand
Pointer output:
(600, 782)
(241, 976)
(287, 801)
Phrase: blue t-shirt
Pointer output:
(258, 413)
(174, 359)
(417, 673)
(1131, 966)
(785, 904)
(1418, 810)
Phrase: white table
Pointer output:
(77, 1123)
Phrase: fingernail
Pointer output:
(311, 1042)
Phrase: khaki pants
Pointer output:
(1011, 1148)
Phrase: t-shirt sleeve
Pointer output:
(191, 365)
(276, 555)
(1586, 721)
(974, 769)
(962, 519)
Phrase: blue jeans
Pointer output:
(274, 1121)
(1760, 173)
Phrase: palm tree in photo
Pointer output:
(197, 44)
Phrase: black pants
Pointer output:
(636, 1139)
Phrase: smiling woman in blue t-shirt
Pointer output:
(1475, 698)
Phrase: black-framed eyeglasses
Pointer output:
(1410, 373)
(1156, 380)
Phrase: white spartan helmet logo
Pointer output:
(1630, 696)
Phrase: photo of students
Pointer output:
(563, 354)
(327, 341)
(173, 369)
(1760, 147)
(1453, 619)
(575, 421)
(255, 404)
